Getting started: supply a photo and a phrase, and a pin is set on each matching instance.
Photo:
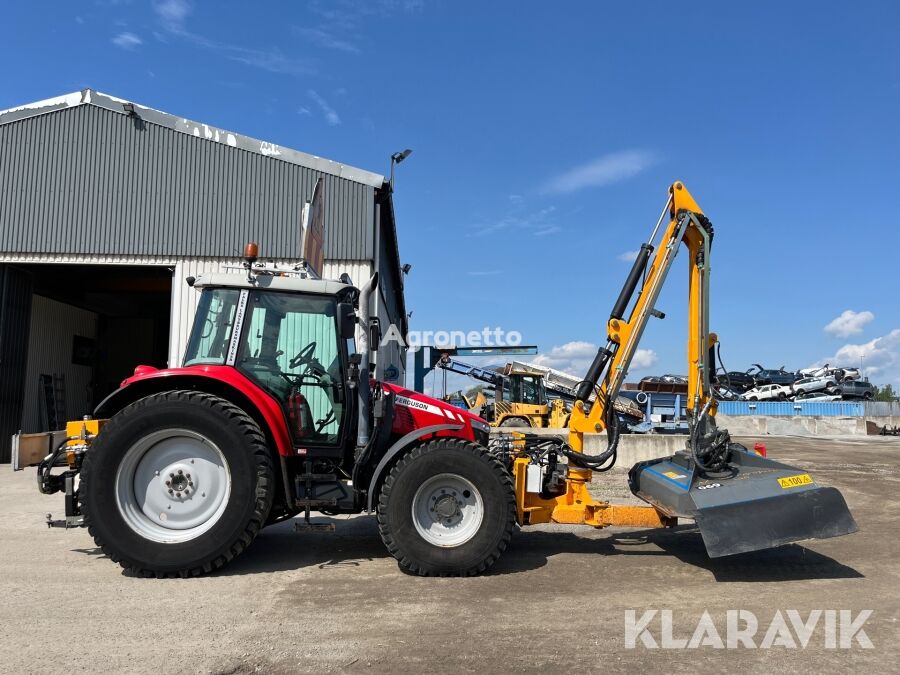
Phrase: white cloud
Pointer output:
(543, 232)
(127, 41)
(879, 358)
(643, 359)
(575, 358)
(628, 256)
(173, 15)
(848, 323)
(327, 39)
(331, 116)
(517, 218)
(303, 110)
(605, 170)
(172, 12)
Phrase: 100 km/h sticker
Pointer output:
(795, 481)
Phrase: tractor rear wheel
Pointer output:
(177, 484)
(517, 422)
(447, 508)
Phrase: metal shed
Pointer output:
(107, 205)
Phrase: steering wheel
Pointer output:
(304, 356)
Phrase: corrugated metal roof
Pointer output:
(88, 180)
(197, 129)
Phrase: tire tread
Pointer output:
(261, 458)
(492, 463)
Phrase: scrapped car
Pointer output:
(768, 392)
(725, 393)
(736, 379)
(810, 384)
(844, 374)
(856, 389)
(770, 376)
(817, 396)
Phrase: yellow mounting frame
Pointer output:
(576, 506)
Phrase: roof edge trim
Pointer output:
(191, 128)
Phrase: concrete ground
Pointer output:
(556, 600)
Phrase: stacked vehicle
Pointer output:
(824, 383)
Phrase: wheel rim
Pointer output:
(447, 510)
(172, 485)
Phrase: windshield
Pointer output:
(527, 389)
(212, 327)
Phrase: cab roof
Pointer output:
(272, 282)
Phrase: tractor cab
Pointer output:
(293, 338)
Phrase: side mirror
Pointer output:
(346, 320)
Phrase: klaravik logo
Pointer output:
(831, 628)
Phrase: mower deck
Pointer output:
(756, 504)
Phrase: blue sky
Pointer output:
(545, 136)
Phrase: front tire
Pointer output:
(177, 484)
(447, 508)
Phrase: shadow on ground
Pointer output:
(356, 542)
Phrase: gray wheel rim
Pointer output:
(172, 486)
(447, 510)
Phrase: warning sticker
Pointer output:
(795, 481)
(673, 474)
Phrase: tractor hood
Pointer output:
(425, 404)
(413, 410)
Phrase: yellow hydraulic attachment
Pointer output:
(577, 507)
(686, 224)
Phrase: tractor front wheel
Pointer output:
(177, 484)
(447, 508)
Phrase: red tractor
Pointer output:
(273, 413)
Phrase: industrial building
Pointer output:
(106, 206)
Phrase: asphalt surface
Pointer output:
(557, 599)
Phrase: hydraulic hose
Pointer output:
(716, 457)
(599, 462)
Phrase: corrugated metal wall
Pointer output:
(882, 408)
(88, 180)
(53, 325)
(792, 408)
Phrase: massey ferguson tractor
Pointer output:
(274, 413)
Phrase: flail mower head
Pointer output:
(748, 503)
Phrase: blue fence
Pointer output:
(792, 408)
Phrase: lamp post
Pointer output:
(396, 158)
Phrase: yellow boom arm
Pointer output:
(686, 224)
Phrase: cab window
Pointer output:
(292, 349)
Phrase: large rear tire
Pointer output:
(447, 508)
(177, 484)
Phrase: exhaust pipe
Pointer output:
(365, 349)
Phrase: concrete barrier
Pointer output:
(635, 448)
